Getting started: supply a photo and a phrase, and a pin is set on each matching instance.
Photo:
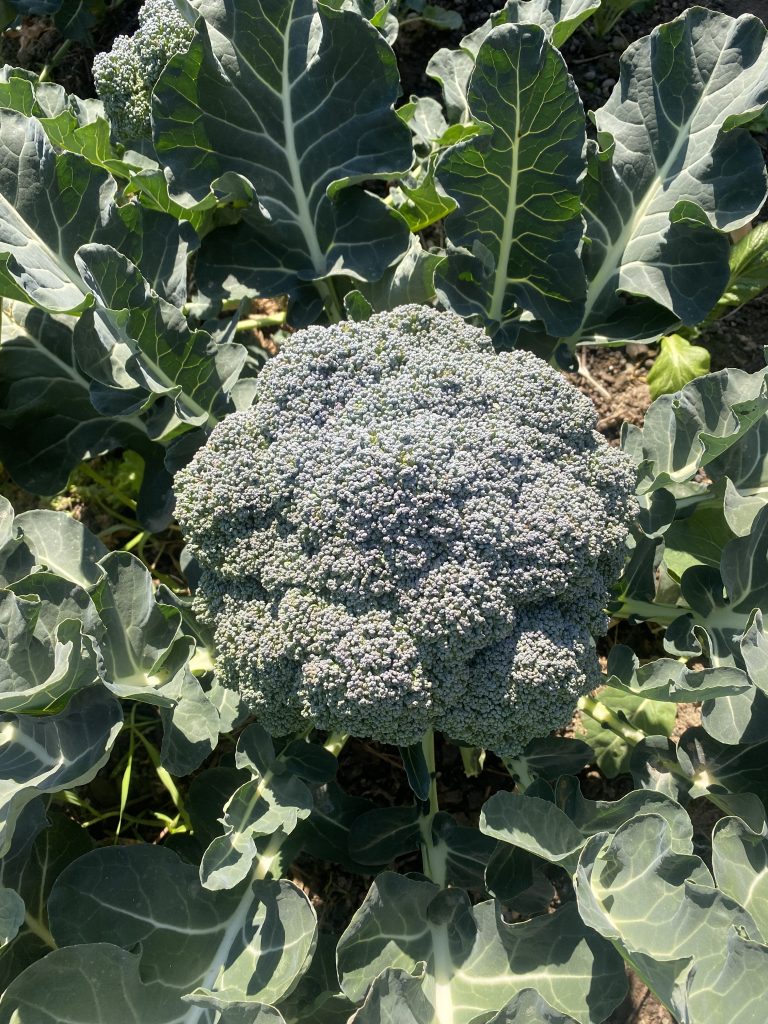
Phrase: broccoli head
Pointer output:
(127, 74)
(408, 531)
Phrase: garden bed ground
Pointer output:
(618, 388)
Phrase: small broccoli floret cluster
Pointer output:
(127, 74)
(408, 531)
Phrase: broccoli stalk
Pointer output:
(408, 532)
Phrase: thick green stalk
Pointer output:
(261, 322)
(333, 304)
(433, 855)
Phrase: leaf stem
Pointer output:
(38, 928)
(265, 861)
(45, 74)
(336, 743)
(610, 720)
(98, 478)
(255, 323)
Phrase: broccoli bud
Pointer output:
(126, 76)
(408, 531)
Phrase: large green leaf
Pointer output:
(38, 853)
(688, 430)
(143, 648)
(272, 799)
(46, 654)
(48, 424)
(557, 832)
(475, 961)
(201, 950)
(675, 171)
(515, 237)
(740, 865)
(47, 755)
(138, 348)
(613, 751)
(452, 68)
(717, 767)
(61, 545)
(629, 883)
(54, 203)
(292, 105)
(51, 205)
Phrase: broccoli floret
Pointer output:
(126, 76)
(408, 531)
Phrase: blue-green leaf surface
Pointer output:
(475, 961)
(47, 755)
(674, 171)
(203, 950)
(514, 239)
(290, 105)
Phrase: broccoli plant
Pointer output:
(127, 74)
(406, 531)
(400, 535)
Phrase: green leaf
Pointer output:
(411, 280)
(684, 432)
(138, 348)
(377, 837)
(517, 229)
(51, 205)
(467, 851)
(55, 203)
(255, 106)
(61, 545)
(754, 650)
(533, 824)
(613, 752)
(749, 271)
(742, 718)
(246, 945)
(45, 653)
(529, 1008)
(628, 883)
(452, 68)
(557, 832)
(396, 995)
(326, 833)
(417, 770)
(675, 170)
(144, 650)
(424, 204)
(47, 755)
(48, 424)
(677, 363)
(740, 866)
(549, 757)
(475, 961)
(11, 915)
(272, 800)
(698, 539)
(38, 854)
(667, 679)
(718, 767)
